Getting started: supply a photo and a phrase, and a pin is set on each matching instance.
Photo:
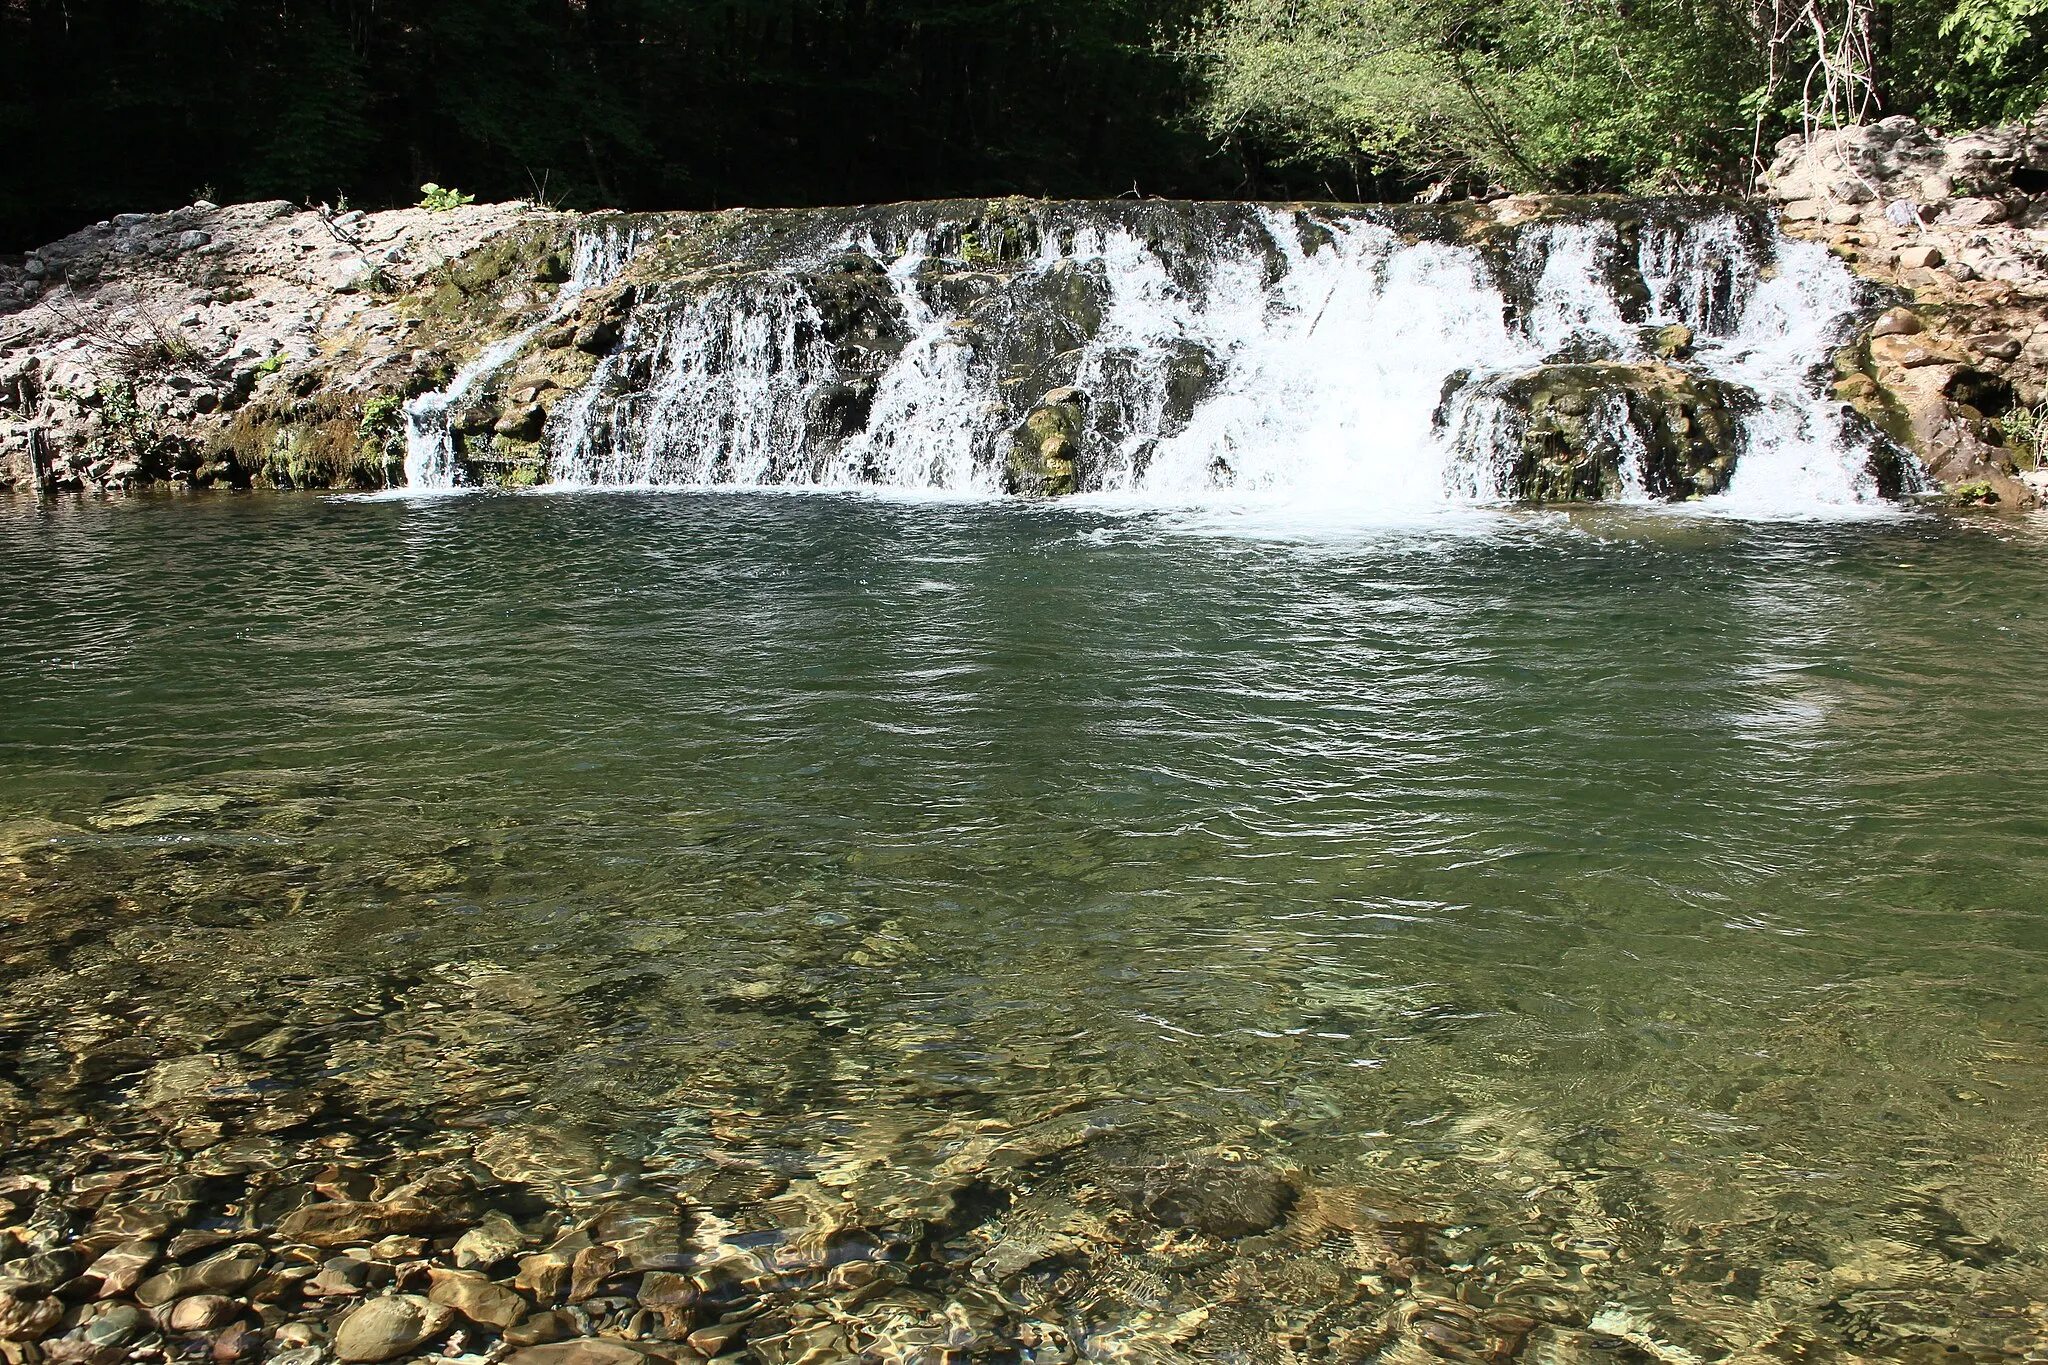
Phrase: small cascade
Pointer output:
(1374, 359)
(599, 254)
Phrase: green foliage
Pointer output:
(1585, 94)
(974, 253)
(439, 200)
(1551, 94)
(1974, 494)
(271, 364)
(112, 105)
(383, 418)
(2026, 433)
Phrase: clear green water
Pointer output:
(1649, 911)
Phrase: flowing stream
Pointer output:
(1590, 936)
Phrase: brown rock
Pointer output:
(201, 1312)
(239, 1342)
(717, 1338)
(538, 1329)
(594, 1266)
(1910, 353)
(121, 1268)
(1920, 257)
(1998, 346)
(384, 1328)
(226, 1273)
(674, 1298)
(1898, 322)
(584, 1351)
(353, 1223)
(496, 1239)
(545, 1274)
(476, 1298)
(28, 1319)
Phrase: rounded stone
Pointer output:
(383, 1329)
(202, 1312)
(119, 1325)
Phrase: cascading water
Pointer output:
(1339, 357)
(432, 463)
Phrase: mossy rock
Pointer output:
(1579, 423)
(1046, 451)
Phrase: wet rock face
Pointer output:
(1598, 432)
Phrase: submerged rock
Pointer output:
(383, 1329)
(1223, 1198)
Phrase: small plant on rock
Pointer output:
(439, 198)
(2026, 432)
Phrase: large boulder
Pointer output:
(1588, 433)
(1045, 451)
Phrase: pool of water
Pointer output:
(1626, 928)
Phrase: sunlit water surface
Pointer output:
(1652, 907)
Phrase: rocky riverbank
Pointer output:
(1958, 227)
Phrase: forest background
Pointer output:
(111, 105)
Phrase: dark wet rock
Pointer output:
(476, 1298)
(385, 1328)
(597, 337)
(1223, 1198)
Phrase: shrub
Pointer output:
(440, 199)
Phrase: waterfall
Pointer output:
(598, 255)
(1367, 359)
